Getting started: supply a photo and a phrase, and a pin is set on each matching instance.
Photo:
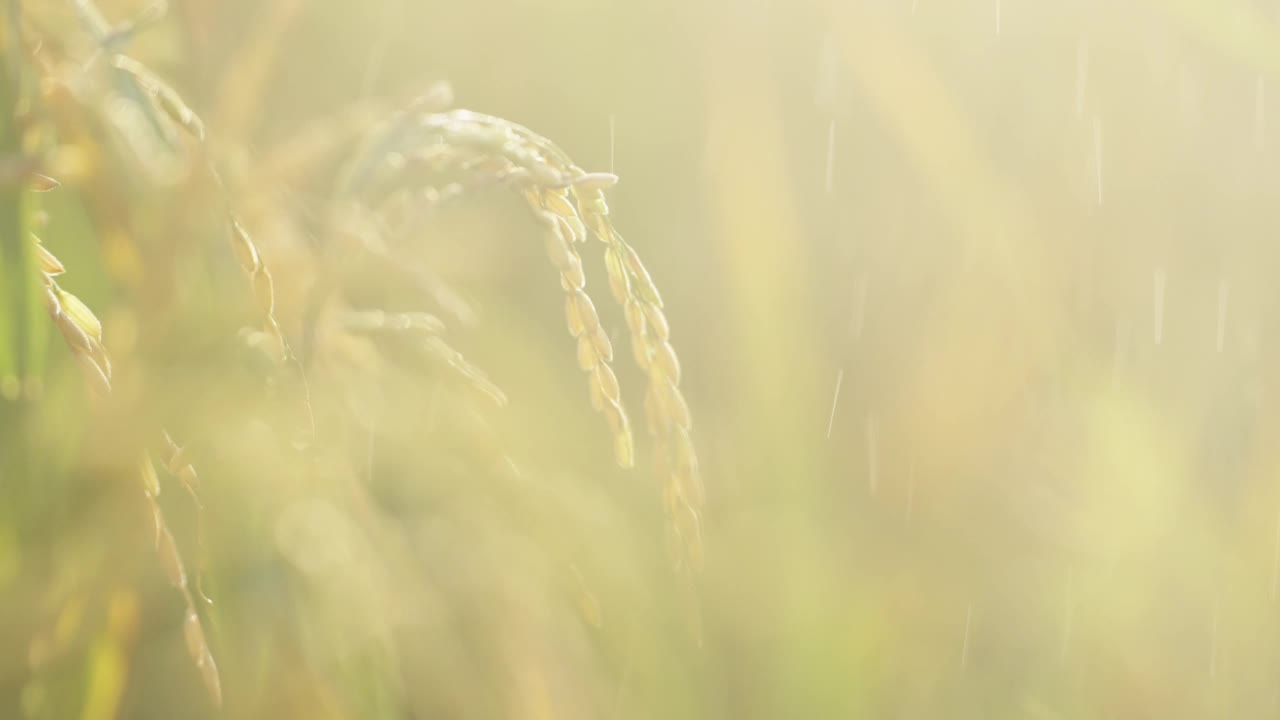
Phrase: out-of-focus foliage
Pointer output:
(973, 304)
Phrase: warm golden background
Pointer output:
(975, 307)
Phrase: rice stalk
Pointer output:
(666, 409)
(80, 328)
(163, 97)
(167, 100)
(569, 204)
(82, 332)
(171, 108)
(481, 151)
(152, 113)
(595, 351)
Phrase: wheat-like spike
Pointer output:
(541, 162)
(392, 137)
(246, 253)
(569, 204)
(560, 225)
(82, 332)
(666, 410)
(463, 141)
(197, 646)
(251, 262)
(169, 102)
(162, 96)
(177, 464)
(80, 328)
(43, 183)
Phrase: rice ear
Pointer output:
(83, 333)
(569, 205)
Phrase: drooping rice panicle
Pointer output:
(82, 332)
(162, 96)
(174, 570)
(79, 327)
(170, 107)
(569, 204)
(595, 351)
(666, 409)
(417, 161)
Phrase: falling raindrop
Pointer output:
(1082, 72)
(964, 646)
(873, 459)
(997, 17)
(835, 399)
(1224, 296)
(1157, 301)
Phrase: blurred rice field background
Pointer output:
(976, 319)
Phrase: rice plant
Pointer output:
(316, 327)
(625, 360)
